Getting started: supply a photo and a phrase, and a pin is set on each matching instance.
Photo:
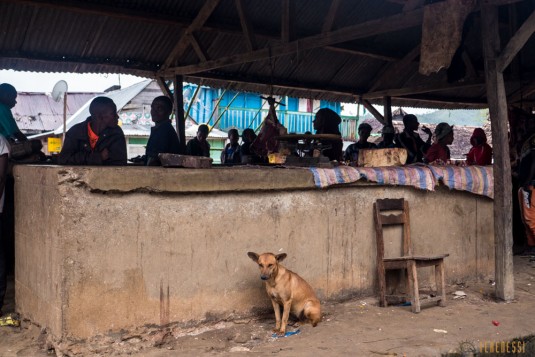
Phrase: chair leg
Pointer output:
(440, 282)
(382, 286)
(413, 285)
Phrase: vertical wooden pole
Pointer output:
(496, 97)
(179, 111)
(387, 101)
(64, 116)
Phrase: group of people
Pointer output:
(418, 150)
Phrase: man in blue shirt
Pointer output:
(8, 126)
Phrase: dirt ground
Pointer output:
(356, 327)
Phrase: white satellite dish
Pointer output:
(60, 92)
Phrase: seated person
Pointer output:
(247, 155)
(98, 140)
(411, 141)
(352, 151)
(481, 152)
(163, 137)
(439, 152)
(388, 133)
(326, 121)
(231, 154)
(199, 146)
(526, 194)
(8, 126)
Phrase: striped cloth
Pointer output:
(418, 176)
(475, 179)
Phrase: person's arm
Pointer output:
(116, 151)
(4, 160)
(429, 133)
(71, 155)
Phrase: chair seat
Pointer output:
(415, 257)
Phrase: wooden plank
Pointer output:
(179, 111)
(440, 282)
(381, 275)
(387, 108)
(390, 204)
(246, 26)
(391, 219)
(424, 88)
(182, 44)
(516, 43)
(362, 53)
(331, 15)
(407, 244)
(374, 111)
(349, 33)
(502, 170)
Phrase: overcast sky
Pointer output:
(44, 82)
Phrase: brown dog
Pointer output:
(287, 289)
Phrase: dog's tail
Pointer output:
(312, 312)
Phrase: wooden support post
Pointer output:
(496, 97)
(372, 110)
(179, 111)
(388, 110)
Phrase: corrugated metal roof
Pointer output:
(120, 97)
(138, 36)
(37, 112)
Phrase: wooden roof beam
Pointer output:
(201, 53)
(331, 15)
(349, 33)
(182, 44)
(278, 83)
(421, 89)
(287, 23)
(516, 43)
(246, 26)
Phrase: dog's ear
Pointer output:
(253, 256)
(281, 257)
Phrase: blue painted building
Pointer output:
(228, 109)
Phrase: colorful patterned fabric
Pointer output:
(418, 176)
(475, 179)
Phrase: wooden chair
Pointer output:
(407, 261)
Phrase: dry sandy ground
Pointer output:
(352, 328)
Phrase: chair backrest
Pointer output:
(380, 207)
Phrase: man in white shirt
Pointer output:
(4, 156)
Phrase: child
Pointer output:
(231, 154)
(481, 152)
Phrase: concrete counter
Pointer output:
(101, 249)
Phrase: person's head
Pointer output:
(202, 132)
(478, 137)
(326, 121)
(248, 135)
(103, 113)
(444, 133)
(365, 130)
(161, 109)
(233, 136)
(410, 122)
(8, 95)
(388, 133)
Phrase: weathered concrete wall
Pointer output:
(110, 248)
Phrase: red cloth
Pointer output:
(437, 152)
(481, 152)
(480, 155)
(93, 138)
